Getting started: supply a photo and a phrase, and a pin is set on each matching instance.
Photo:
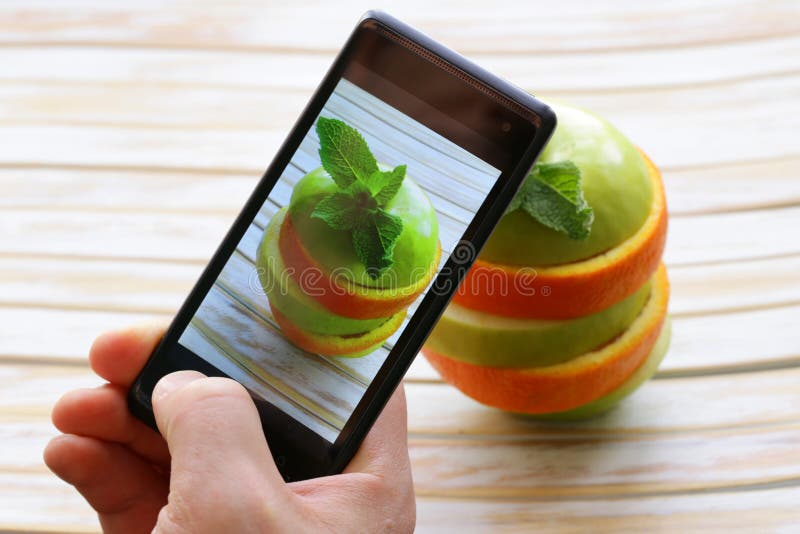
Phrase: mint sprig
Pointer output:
(363, 192)
(552, 194)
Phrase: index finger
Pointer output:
(118, 356)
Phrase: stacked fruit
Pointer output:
(564, 313)
(356, 246)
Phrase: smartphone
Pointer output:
(353, 242)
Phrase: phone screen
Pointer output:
(307, 308)
(354, 240)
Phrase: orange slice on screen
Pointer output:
(330, 345)
(567, 385)
(575, 289)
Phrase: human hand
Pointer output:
(213, 472)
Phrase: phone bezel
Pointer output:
(298, 451)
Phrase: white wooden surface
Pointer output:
(130, 134)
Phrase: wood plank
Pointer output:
(691, 191)
(175, 237)
(547, 466)
(729, 237)
(210, 108)
(192, 237)
(701, 126)
(58, 68)
(86, 189)
(45, 335)
(135, 286)
(700, 345)
(746, 511)
(539, 467)
(559, 29)
(732, 187)
(675, 406)
(160, 287)
(726, 287)
(40, 502)
(161, 131)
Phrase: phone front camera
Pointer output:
(505, 127)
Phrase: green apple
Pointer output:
(490, 340)
(414, 254)
(610, 400)
(288, 297)
(616, 184)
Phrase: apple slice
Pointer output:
(480, 338)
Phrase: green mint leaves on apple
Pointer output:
(552, 194)
(363, 192)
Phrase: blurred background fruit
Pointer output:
(557, 326)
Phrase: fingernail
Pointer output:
(174, 381)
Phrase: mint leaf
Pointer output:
(363, 190)
(552, 194)
(344, 152)
(389, 229)
(384, 185)
(339, 210)
(374, 241)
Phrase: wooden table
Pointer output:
(131, 133)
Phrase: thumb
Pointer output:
(218, 448)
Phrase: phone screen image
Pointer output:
(324, 280)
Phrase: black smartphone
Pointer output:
(353, 242)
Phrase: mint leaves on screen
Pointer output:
(363, 192)
(552, 194)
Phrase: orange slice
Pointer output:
(330, 345)
(575, 289)
(567, 385)
(337, 293)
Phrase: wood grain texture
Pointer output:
(131, 134)
(678, 405)
(615, 26)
